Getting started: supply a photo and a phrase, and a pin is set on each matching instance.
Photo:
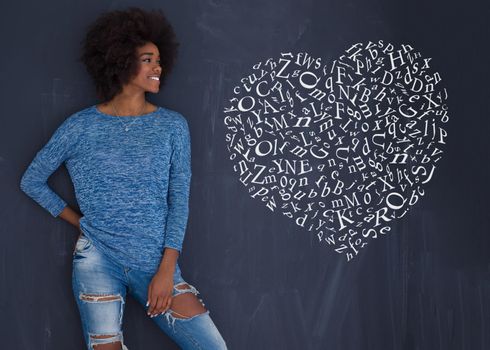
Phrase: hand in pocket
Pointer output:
(75, 247)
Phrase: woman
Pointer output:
(129, 161)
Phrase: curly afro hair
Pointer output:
(111, 42)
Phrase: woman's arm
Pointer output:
(169, 260)
(160, 288)
(34, 181)
(178, 186)
(71, 216)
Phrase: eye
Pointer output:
(149, 59)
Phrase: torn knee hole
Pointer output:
(108, 346)
(99, 343)
(183, 286)
(103, 336)
(94, 297)
(177, 315)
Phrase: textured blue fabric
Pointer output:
(132, 186)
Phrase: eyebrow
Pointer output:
(147, 53)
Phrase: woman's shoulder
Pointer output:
(76, 117)
(173, 115)
(81, 113)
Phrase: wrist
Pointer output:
(169, 260)
(166, 270)
(167, 265)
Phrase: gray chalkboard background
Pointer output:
(267, 282)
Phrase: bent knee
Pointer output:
(186, 304)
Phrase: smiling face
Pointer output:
(148, 77)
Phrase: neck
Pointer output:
(128, 104)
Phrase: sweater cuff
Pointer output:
(57, 208)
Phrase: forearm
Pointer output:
(178, 187)
(71, 216)
(169, 260)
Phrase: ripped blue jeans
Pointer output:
(100, 286)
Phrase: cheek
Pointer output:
(144, 75)
(141, 78)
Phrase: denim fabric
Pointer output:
(132, 186)
(94, 274)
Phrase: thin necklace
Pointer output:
(126, 127)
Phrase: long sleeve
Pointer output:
(179, 186)
(47, 160)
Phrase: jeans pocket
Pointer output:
(83, 243)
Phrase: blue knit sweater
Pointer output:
(132, 186)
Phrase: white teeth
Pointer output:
(154, 78)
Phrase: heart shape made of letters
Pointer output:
(343, 148)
